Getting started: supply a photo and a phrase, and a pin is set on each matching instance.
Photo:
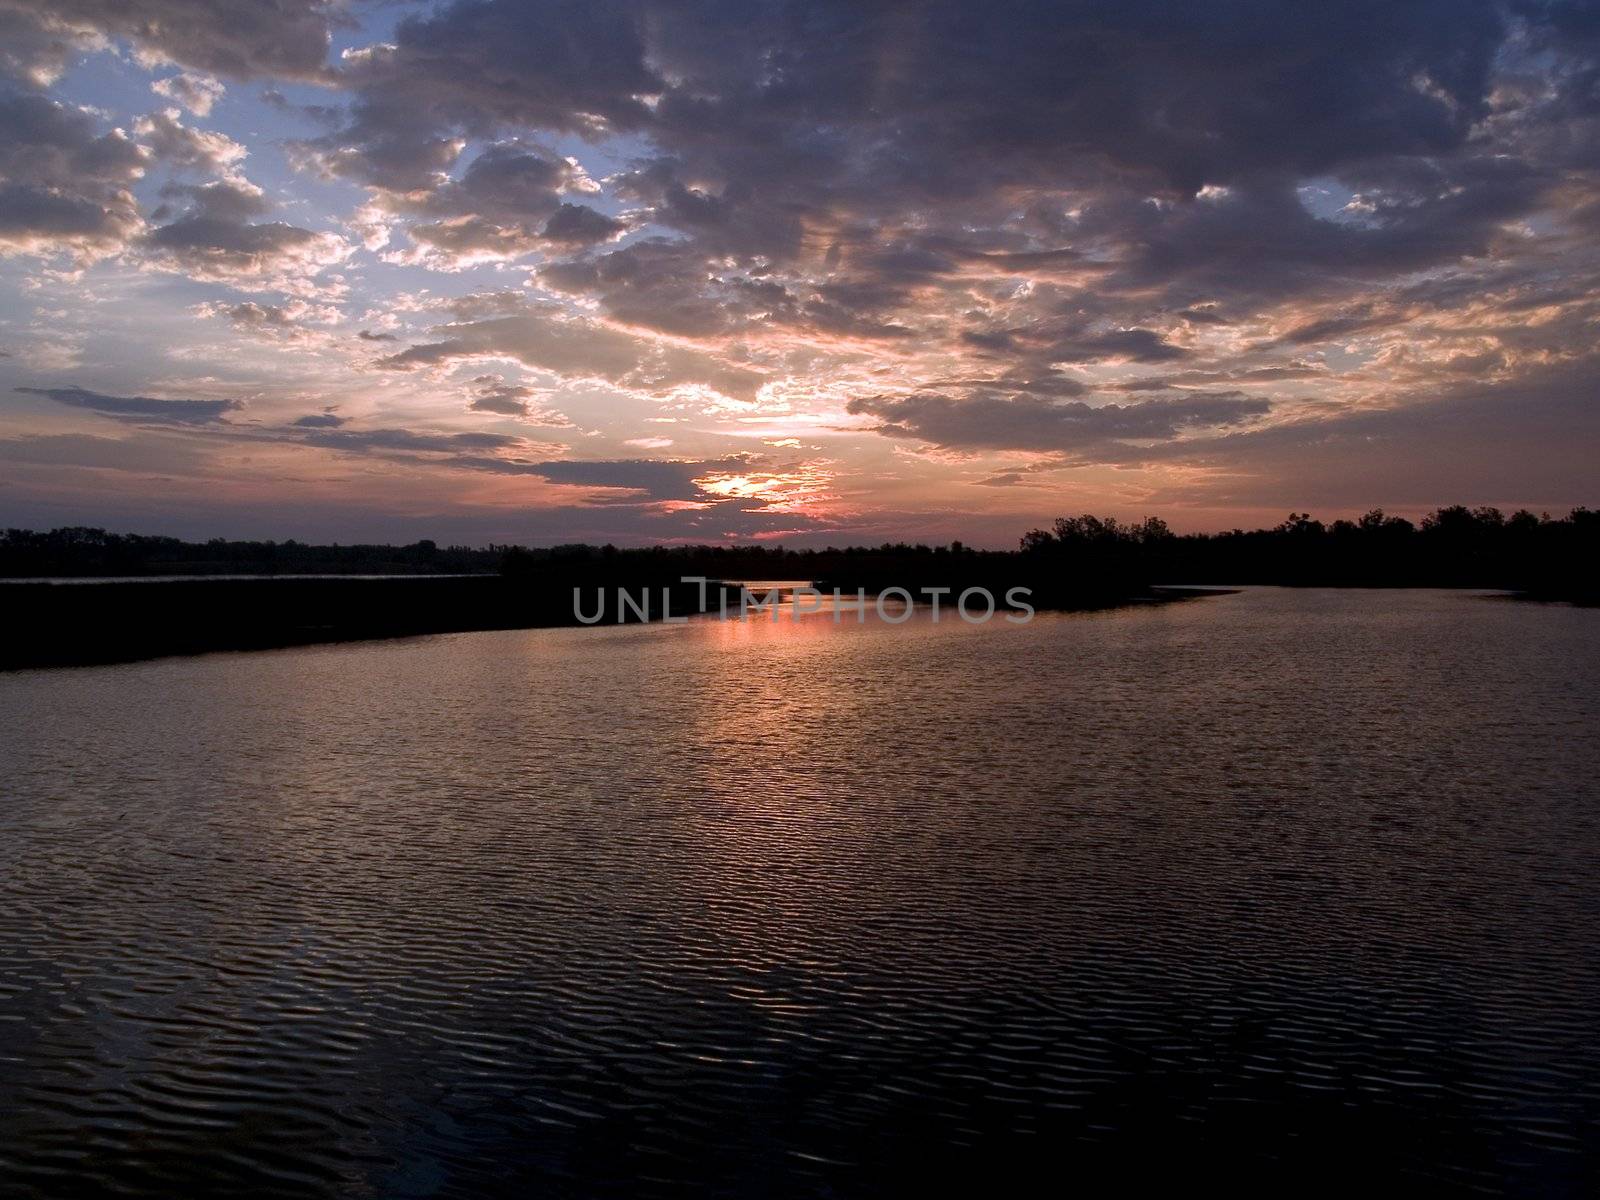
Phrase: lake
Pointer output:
(1299, 887)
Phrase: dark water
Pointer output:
(1293, 888)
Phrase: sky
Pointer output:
(813, 273)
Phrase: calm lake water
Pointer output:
(1295, 886)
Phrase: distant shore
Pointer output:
(81, 623)
(159, 596)
(88, 622)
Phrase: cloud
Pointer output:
(197, 93)
(576, 347)
(991, 422)
(510, 201)
(812, 186)
(851, 122)
(180, 146)
(580, 225)
(1271, 374)
(641, 479)
(250, 315)
(475, 306)
(141, 454)
(64, 185)
(292, 320)
(183, 412)
(1172, 238)
(1470, 439)
(491, 394)
(740, 490)
(36, 47)
(204, 247)
(323, 114)
(655, 284)
(38, 221)
(1062, 342)
(239, 38)
(233, 201)
(468, 241)
(214, 238)
(361, 440)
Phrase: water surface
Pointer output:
(1298, 887)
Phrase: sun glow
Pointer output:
(802, 489)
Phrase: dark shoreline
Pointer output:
(172, 597)
(95, 624)
(84, 622)
(76, 624)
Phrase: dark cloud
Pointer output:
(990, 422)
(668, 497)
(64, 184)
(1053, 344)
(278, 320)
(1324, 329)
(1258, 243)
(361, 440)
(1524, 442)
(580, 225)
(576, 347)
(511, 200)
(652, 480)
(500, 398)
(240, 38)
(209, 248)
(324, 114)
(35, 50)
(492, 394)
(764, 112)
(559, 66)
(467, 240)
(981, 220)
(186, 412)
(866, 172)
(142, 454)
(34, 218)
(653, 283)
(475, 306)
(214, 237)
(617, 482)
(666, 285)
(1275, 373)
(507, 181)
(231, 201)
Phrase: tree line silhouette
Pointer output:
(1080, 562)
(1451, 547)
(79, 552)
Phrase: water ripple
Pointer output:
(1292, 887)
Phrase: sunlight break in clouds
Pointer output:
(829, 271)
